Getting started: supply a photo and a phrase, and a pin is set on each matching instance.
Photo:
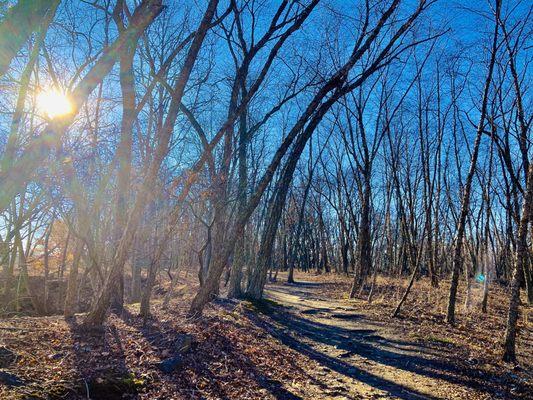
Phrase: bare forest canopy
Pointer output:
(248, 141)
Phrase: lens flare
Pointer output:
(54, 103)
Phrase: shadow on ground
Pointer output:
(296, 329)
(201, 361)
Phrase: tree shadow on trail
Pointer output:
(296, 332)
(303, 284)
(202, 361)
(110, 380)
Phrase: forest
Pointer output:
(266, 199)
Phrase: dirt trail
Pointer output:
(363, 359)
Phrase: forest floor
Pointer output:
(305, 341)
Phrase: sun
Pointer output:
(54, 103)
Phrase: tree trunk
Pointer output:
(300, 134)
(135, 281)
(20, 21)
(9, 268)
(364, 246)
(235, 283)
(46, 266)
(97, 315)
(72, 283)
(522, 256)
(457, 263)
(147, 293)
(64, 254)
(124, 149)
(22, 170)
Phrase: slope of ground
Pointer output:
(306, 341)
(416, 356)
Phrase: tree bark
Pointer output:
(235, 283)
(522, 257)
(72, 284)
(364, 246)
(124, 149)
(457, 263)
(97, 315)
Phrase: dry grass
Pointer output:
(423, 314)
(232, 356)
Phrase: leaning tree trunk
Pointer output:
(20, 21)
(277, 203)
(296, 241)
(315, 111)
(415, 260)
(523, 140)
(457, 263)
(16, 176)
(257, 279)
(97, 315)
(522, 255)
(173, 282)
